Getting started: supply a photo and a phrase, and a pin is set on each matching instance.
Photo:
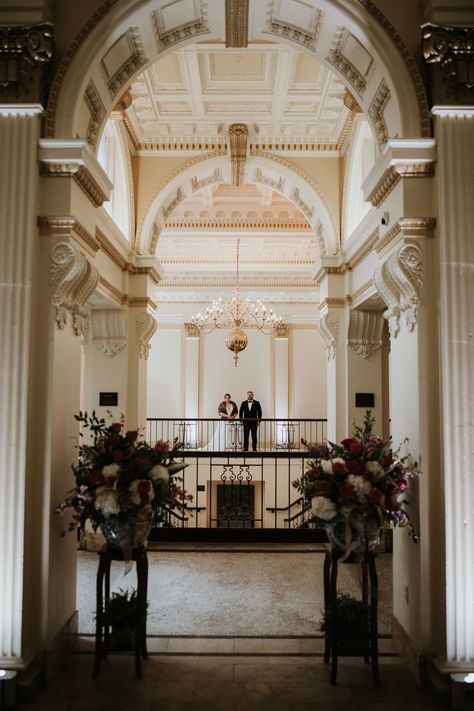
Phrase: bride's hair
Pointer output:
(227, 395)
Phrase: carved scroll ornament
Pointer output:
(329, 326)
(399, 282)
(145, 328)
(73, 279)
(364, 334)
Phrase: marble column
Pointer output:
(19, 132)
(455, 138)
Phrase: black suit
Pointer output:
(250, 417)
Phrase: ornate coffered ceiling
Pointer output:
(188, 99)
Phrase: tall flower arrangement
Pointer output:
(359, 484)
(121, 482)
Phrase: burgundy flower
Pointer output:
(375, 495)
(347, 491)
(116, 426)
(355, 448)
(131, 435)
(338, 467)
(162, 447)
(313, 473)
(97, 478)
(354, 466)
(119, 456)
(321, 487)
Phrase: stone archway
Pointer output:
(355, 40)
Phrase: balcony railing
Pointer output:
(239, 491)
(216, 435)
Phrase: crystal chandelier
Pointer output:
(237, 313)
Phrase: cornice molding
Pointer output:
(392, 176)
(407, 227)
(364, 333)
(366, 247)
(148, 271)
(57, 225)
(254, 224)
(399, 281)
(80, 175)
(109, 249)
(140, 302)
(72, 279)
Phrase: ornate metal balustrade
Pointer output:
(215, 435)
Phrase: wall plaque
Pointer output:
(108, 399)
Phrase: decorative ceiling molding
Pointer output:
(346, 49)
(72, 280)
(393, 174)
(376, 112)
(364, 334)
(329, 326)
(179, 20)
(399, 281)
(238, 135)
(449, 54)
(25, 52)
(277, 21)
(236, 23)
(150, 272)
(54, 225)
(290, 224)
(97, 113)
(130, 45)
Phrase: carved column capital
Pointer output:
(145, 326)
(192, 330)
(449, 52)
(329, 325)
(282, 330)
(73, 279)
(25, 52)
(399, 281)
(364, 334)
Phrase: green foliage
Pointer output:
(352, 619)
(121, 609)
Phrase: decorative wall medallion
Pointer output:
(282, 330)
(329, 327)
(25, 53)
(364, 335)
(110, 348)
(376, 111)
(72, 279)
(97, 111)
(449, 52)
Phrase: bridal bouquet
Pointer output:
(122, 483)
(358, 485)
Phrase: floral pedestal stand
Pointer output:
(369, 647)
(139, 555)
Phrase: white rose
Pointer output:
(323, 507)
(375, 468)
(159, 473)
(110, 470)
(326, 466)
(107, 501)
(361, 485)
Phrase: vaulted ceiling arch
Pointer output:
(352, 37)
(266, 171)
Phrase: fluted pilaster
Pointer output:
(19, 130)
(455, 138)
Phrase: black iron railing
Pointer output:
(215, 435)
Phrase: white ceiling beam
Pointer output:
(192, 79)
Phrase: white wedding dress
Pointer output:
(221, 438)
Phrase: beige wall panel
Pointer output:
(308, 366)
(165, 374)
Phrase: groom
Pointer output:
(250, 413)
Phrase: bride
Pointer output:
(227, 411)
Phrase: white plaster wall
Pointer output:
(104, 374)
(308, 374)
(165, 393)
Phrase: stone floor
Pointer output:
(230, 675)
